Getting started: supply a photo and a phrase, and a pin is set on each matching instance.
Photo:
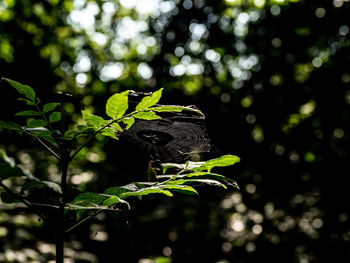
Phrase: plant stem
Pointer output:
(60, 224)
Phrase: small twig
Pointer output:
(45, 205)
(83, 220)
(46, 146)
(24, 201)
(99, 130)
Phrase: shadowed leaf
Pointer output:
(23, 89)
(55, 116)
(28, 113)
(36, 123)
(49, 107)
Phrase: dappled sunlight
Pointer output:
(272, 78)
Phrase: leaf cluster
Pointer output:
(188, 175)
(40, 121)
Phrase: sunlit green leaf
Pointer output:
(49, 106)
(174, 108)
(149, 101)
(135, 189)
(36, 123)
(146, 191)
(117, 105)
(215, 176)
(23, 89)
(189, 165)
(92, 119)
(129, 122)
(146, 115)
(225, 160)
(27, 113)
(116, 127)
(118, 190)
(86, 200)
(183, 189)
(114, 200)
(110, 132)
(55, 116)
(200, 181)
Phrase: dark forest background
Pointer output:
(271, 76)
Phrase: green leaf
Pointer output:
(146, 115)
(55, 116)
(109, 132)
(49, 106)
(28, 113)
(200, 175)
(92, 119)
(23, 89)
(200, 181)
(215, 176)
(114, 200)
(29, 102)
(117, 105)
(167, 108)
(116, 126)
(9, 198)
(34, 181)
(42, 133)
(183, 189)
(36, 123)
(89, 197)
(136, 189)
(189, 165)
(85, 129)
(10, 126)
(118, 190)
(87, 200)
(52, 185)
(129, 121)
(149, 101)
(146, 191)
(174, 108)
(222, 161)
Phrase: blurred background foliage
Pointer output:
(272, 77)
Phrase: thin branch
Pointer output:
(84, 220)
(99, 130)
(24, 201)
(46, 146)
